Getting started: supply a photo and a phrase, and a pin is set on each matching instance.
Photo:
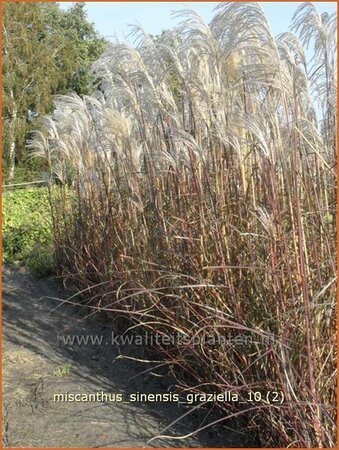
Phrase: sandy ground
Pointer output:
(37, 364)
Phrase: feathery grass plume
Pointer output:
(201, 202)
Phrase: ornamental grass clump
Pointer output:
(197, 199)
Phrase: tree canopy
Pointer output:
(46, 51)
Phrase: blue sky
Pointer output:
(113, 18)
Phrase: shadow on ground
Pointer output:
(37, 363)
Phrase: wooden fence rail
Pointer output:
(8, 186)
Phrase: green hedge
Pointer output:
(27, 230)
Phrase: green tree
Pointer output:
(29, 75)
(82, 44)
(46, 51)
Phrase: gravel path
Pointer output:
(37, 365)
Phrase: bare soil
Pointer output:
(37, 364)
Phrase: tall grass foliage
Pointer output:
(202, 202)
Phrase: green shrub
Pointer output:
(41, 261)
(27, 231)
